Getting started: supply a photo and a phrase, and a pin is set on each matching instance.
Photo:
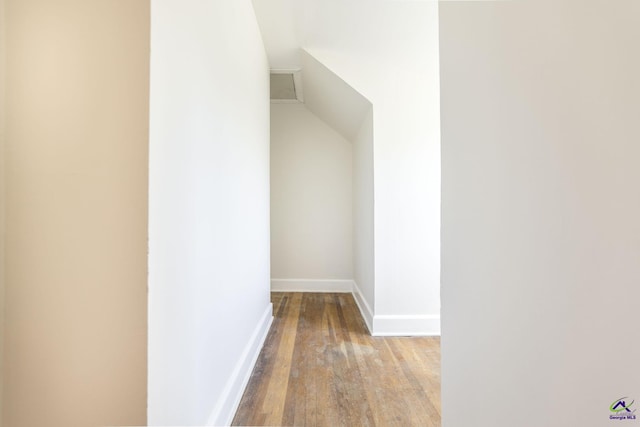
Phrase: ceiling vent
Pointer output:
(286, 86)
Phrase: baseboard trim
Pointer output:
(363, 306)
(378, 325)
(410, 326)
(311, 285)
(225, 409)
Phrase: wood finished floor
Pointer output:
(320, 367)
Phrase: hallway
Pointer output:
(320, 367)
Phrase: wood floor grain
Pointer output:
(320, 367)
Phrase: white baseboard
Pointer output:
(365, 308)
(406, 325)
(378, 325)
(311, 285)
(225, 409)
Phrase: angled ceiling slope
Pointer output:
(331, 98)
(283, 24)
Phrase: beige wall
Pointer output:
(2, 69)
(76, 248)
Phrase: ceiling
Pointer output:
(281, 25)
(331, 98)
(284, 25)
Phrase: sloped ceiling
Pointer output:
(331, 98)
(282, 24)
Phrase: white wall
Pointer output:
(280, 32)
(76, 212)
(363, 219)
(209, 276)
(387, 51)
(541, 237)
(390, 55)
(311, 197)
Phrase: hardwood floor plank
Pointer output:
(320, 367)
(275, 395)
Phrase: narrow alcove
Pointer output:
(321, 185)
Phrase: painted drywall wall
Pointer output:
(388, 52)
(278, 20)
(391, 57)
(363, 219)
(76, 212)
(541, 238)
(311, 197)
(2, 199)
(209, 269)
